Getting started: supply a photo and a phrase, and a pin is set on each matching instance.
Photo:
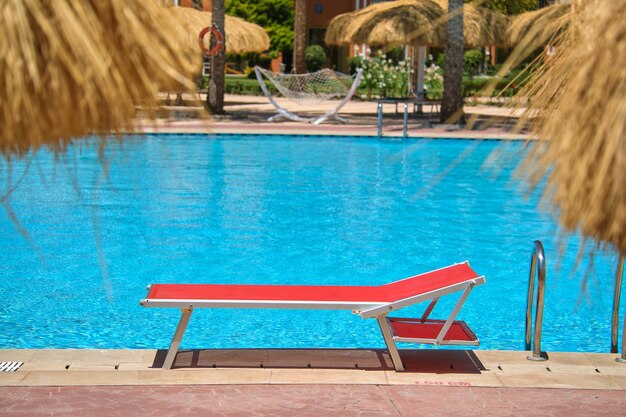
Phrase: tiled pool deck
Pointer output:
(328, 382)
(310, 383)
(460, 368)
(248, 114)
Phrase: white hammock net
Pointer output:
(311, 88)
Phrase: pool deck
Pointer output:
(310, 382)
(313, 382)
(249, 114)
(461, 368)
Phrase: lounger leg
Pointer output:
(455, 311)
(178, 337)
(391, 344)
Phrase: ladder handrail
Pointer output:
(538, 263)
(615, 315)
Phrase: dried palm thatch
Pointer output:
(394, 23)
(241, 36)
(420, 22)
(336, 30)
(71, 69)
(535, 29)
(579, 95)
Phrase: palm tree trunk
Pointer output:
(299, 37)
(215, 96)
(452, 104)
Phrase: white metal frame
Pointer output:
(284, 113)
(378, 310)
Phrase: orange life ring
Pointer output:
(219, 40)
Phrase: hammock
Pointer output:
(306, 89)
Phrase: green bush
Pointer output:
(355, 63)
(314, 58)
(441, 60)
(244, 86)
(472, 60)
(505, 87)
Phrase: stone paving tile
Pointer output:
(369, 359)
(91, 367)
(94, 356)
(221, 358)
(326, 376)
(567, 358)
(607, 364)
(204, 376)
(612, 370)
(558, 381)
(441, 361)
(493, 358)
(8, 379)
(231, 401)
(16, 355)
(572, 369)
(46, 378)
(54, 365)
(545, 369)
(619, 380)
(485, 379)
(485, 402)
(136, 366)
(323, 366)
(307, 400)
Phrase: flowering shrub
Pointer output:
(384, 78)
(433, 81)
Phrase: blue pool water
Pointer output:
(291, 210)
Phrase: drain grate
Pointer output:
(10, 366)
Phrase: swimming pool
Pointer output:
(276, 209)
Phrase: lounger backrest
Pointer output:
(428, 282)
(424, 287)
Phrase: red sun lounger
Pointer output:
(366, 301)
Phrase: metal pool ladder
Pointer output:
(538, 263)
(615, 316)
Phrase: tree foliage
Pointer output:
(511, 7)
(314, 57)
(276, 16)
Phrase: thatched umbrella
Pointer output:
(580, 100)
(241, 36)
(336, 31)
(399, 22)
(416, 22)
(535, 29)
(71, 69)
